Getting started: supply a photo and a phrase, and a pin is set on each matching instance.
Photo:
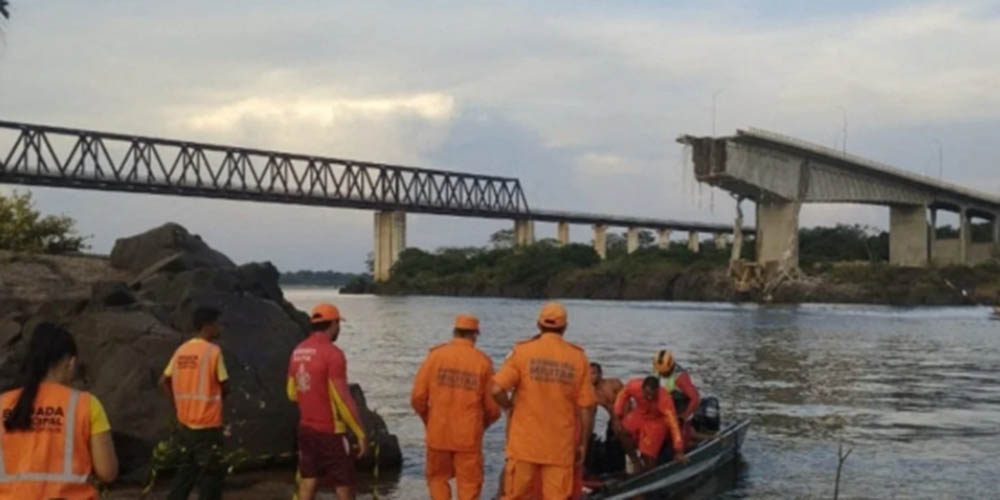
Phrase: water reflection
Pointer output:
(916, 391)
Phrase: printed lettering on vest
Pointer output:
(458, 379)
(49, 414)
(551, 371)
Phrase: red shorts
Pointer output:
(326, 457)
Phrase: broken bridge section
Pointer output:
(781, 173)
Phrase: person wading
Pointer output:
(553, 409)
(53, 437)
(317, 381)
(195, 380)
(650, 420)
(452, 394)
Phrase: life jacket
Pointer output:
(197, 391)
(681, 401)
(52, 458)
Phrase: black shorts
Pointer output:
(326, 457)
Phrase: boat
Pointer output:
(674, 478)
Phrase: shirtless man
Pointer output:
(606, 390)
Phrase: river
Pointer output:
(915, 392)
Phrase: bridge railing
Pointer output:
(43, 155)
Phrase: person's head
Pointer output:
(325, 319)
(650, 388)
(552, 318)
(596, 373)
(663, 363)
(466, 327)
(206, 322)
(51, 356)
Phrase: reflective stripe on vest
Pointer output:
(67, 475)
(203, 374)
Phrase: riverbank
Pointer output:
(574, 271)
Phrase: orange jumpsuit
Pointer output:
(551, 379)
(649, 421)
(452, 394)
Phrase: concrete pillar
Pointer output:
(601, 240)
(778, 232)
(932, 236)
(694, 243)
(632, 239)
(964, 235)
(908, 236)
(524, 232)
(390, 240)
(563, 233)
(721, 241)
(663, 238)
(996, 228)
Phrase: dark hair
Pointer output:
(597, 368)
(650, 382)
(322, 326)
(204, 316)
(461, 332)
(551, 329)
(49, 345)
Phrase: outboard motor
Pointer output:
(708, 416)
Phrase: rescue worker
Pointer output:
(553, 408)
(195, 380)
(317, 381)
(452, 395)
(651, 419)
(678, 383)
(53, 437)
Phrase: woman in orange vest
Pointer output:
(53, 437)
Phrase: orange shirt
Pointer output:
(661, 408)
(452, 394)
(52, 459)
(196, 373)
(551, 379)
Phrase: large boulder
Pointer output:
(128, 318)
(136, 253)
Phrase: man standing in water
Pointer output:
(317, 380)
(553, 409)
(452, 395)
(615, 438)
(195, 379)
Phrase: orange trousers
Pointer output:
(531, 481)
(648, 431)
(465, 467)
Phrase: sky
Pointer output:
(582, 101)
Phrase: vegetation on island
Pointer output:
(25, 229)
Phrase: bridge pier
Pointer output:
(524, 232)
(663, 239)
(563, 233)
(908, 235)
(964, 236)
(694, 243)
(778, 232)
(601, 240)
(721, 241)
(632, 240)
(390, 240)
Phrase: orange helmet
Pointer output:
(552, 315)
(663, 362)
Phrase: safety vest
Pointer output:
(52, 458)
(681, 400)
(197, 391)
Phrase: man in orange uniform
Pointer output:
(650, 420)
(317, 380)
(551, 380)
(195, 380)
(452, 395)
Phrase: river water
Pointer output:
(915, 392)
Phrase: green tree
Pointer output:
(24, 229)
(503, 238)
(3, 9)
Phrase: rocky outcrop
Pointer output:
(130, 313)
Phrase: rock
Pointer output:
(10, 330)
(110, 294)
(390, 454)
(139, 252)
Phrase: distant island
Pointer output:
(334, 279)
